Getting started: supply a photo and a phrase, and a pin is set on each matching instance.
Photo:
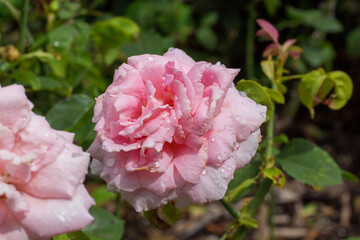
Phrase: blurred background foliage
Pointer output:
(65, 52)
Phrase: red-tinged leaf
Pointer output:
(288, 43)
(295, 52)
(268, 30)
(271, 50)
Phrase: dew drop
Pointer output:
(244, 102)
(213, 139)
(218, 63)
(163, 78)
(242, 93)
(56, 43)
(229, 168)
(110, 162)
(171, 49)
(82, 179)
(258, 105)
(204, 172)
(219, 157)
(157, 164)
(150, 59)
(227, 127)
(219, 183)
(222, 170)
(263, 114)
(138, 145)
(61, 217)
(208, 65)
(235, 145)
(115, 170)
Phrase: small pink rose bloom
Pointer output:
(172, 129)
(41, 174)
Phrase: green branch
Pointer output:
(23, 25)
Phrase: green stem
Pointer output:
(23, 25)
(250, 39)
(287, 78)
(231, 209)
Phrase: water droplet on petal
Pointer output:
(204, 171)
(56, 43)
(115, 170)
(222, 170)
(258, 105)
(157, 164)
(227, 127)
(219, 157)
(171, 49)
(213, 139)
(263, 114)
(208, 65)
(235, 145)
(242, 93)
(163, 78)
(244, 102)
(110, 162)
(82, 179)
(150, 59)
(218, 63)
(229, 168)
(138, 145)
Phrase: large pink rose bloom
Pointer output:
(41, 174)
(172, 129)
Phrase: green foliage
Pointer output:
(333, 89)
(257, 93)
(352, 43)
(315, 18)
(105, 226)
(110, 34)
(153, 218)
(171, 213)
(349, 176)
(101, 195)
(276, 175)
(66, 114)
(309, 163)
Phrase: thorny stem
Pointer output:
(231, 209)
(292, 77)
(23, 25)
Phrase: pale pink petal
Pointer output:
(14, 107)
(213, 183)
(55, 216)
(10, 229)
(246, 149)
(7, 138)
(68, 170)
(186, 62)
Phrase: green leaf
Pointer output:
(110, 34)
(275, 95)
(240, 185)
(48, 83)
(316, 19)
(39, 54)
(309, 87)
(61, 237)
(282, 138)
(153, 218)
(276, 175)
(352, 43)
(28, 78)
(342, 90)
(271, 6)
(8, 9)
(248, 221)
(352, 238)
(268, 68)
(149, 42)
(105, 226)
(349, 176)
(209, 19)
(101, 195)
(171, 213)
(206, 37)
(257, 93)
(308, 163)
(78, 235)
(65, 114)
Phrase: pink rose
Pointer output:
(41, 174)
(172, 129)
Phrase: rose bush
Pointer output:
(172, 129)
(41, 174)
